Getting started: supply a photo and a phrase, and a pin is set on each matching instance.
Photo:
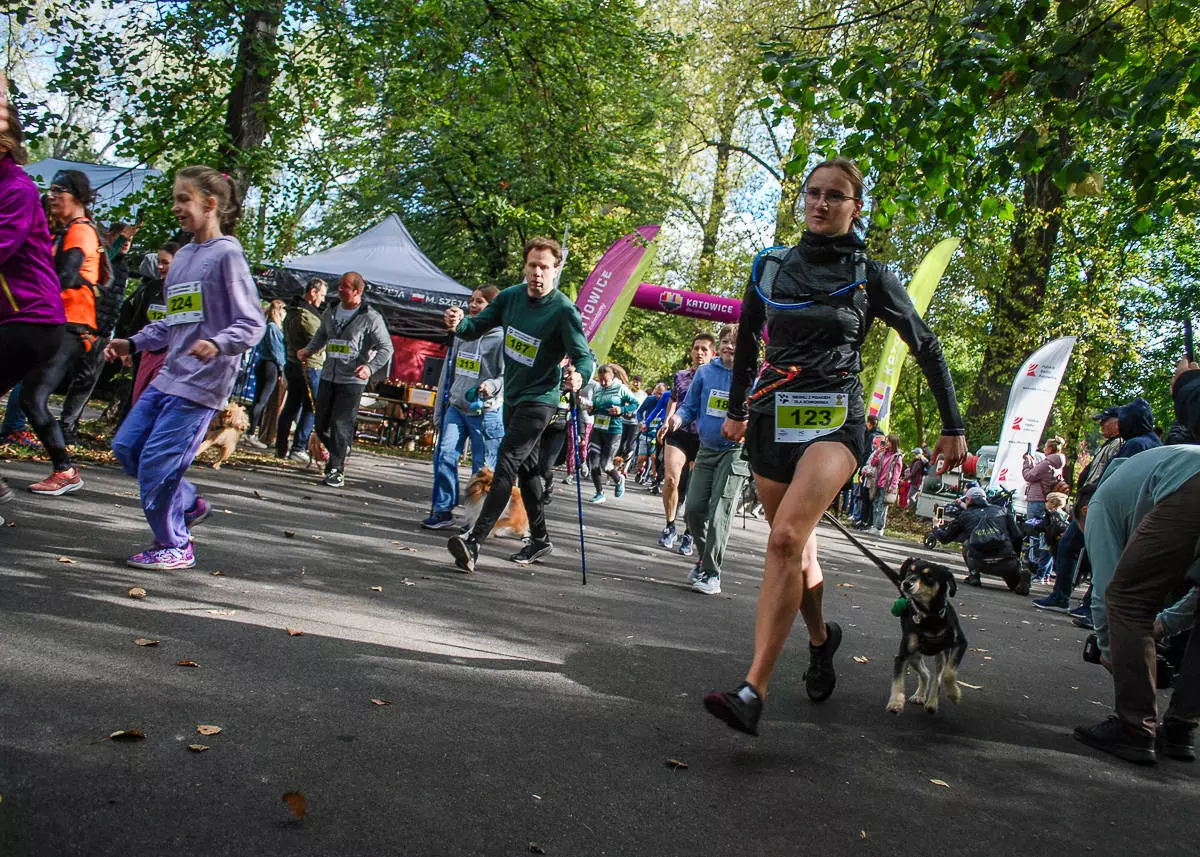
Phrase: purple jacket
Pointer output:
(29, 290)
(233, 320)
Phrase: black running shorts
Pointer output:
(686, 441)
(777, 461)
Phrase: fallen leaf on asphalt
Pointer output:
(296, 803)
(142, 642)
(377, 589)
(404, 581)
(295, 632)
(137, 592)
(381, 702)
(981, 651)
(218, 573)
(1026, 622)
(66, 559)
(987, 657)
(847, 585)
(859, 659)
(205, 729)
(289, 533)
(676, 764)
(198, 748)
(11, 524)
(941, 783)
(534, 848)
(127, 735)
(318, 538)
(187, 664)
(971, 686)
(862, 834)
(222, 612)
(259, 496)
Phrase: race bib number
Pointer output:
(156, 312)
(521, 347)
(718, 403)
(185, 304)
(603, 421)
(467, 365)
(337, 349)
(804, 417)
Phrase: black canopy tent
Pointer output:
(402, 284)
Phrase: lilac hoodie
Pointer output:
(233, 321)
(29, 290)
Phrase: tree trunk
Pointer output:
(253, 76)
(711, 229)
(1014, 330)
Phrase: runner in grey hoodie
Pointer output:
(357, 345)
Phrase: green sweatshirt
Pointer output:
(606, 397)
(538, 334)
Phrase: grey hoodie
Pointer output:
(479, 363)
(362, 340)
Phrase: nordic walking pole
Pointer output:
(444, 397)
(573, 439)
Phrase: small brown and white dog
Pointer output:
(225, 430)
(513, 523)
(931, 636)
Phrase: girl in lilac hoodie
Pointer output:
(213, 315)
(32, 320)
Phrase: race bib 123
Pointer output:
(804, 417)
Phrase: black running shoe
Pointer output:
(1177, 740)
(1114, 736)
(465, 551)
(734, 711)
(819, 678)
(532, 552)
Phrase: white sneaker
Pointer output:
(710, 585)
(694, 574)
(300, 456)
(253, 442)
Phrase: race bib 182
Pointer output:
(718, 403)
(185, 303)
(804, 417)
(521, 346)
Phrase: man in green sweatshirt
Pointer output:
(542, 326)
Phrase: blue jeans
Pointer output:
(1069, 548)
(879, 511)
(14, 416)
(485, 432)
(1038, 554)
(301, 395)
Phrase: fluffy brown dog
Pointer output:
(513, 523)
(316, 453)
(225, 431)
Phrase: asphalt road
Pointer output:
(529, 714)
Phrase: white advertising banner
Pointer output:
(1029, 403)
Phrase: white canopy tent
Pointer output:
(111, 184)
(402, 283)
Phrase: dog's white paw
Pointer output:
(896, 705)
(953, 691)
(918, 698)
(931, 705)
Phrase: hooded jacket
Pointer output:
(29, 289)
(707, 401)
(1042, 476)
(363, 339)
(1137, 428)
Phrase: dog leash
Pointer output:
(902, 603)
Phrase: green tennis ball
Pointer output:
(899, 606)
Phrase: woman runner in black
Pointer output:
(804, 420)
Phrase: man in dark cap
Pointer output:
(1071, 543)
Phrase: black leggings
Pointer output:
(24, 347)
(36, 390)
(602, 446)
(554, 438)
(266, 376)
(629, 437)
(518, 461)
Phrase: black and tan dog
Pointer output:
(930, 630)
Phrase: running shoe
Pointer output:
(1176, 740)
(438, 521)
(532, 552)
(465, 551)
(819, 678)
(1054, 601)
(708, 585)
(667, 539)
(1080, 612)
(620, 492)
(687, 545)
(58, 483)
(198, 514)
(598, 498)
(6, 493)
(163, 559)
(334, 479)
(739, 709)
(300, 456)
(253, 442)
(22, 438)
(695, 574)
(1114, 736)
